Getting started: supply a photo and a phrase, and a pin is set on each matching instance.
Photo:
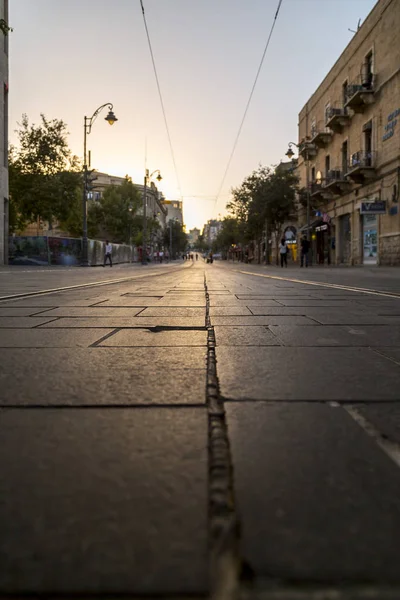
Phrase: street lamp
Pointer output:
(130, 209)
(147, 179)
(87, 128)
(290, 155)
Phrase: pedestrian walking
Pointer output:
(161, 255)
(197, 256)
(108, 253)
(305, 247)
(283, 252)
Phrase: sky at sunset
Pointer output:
(67, 57)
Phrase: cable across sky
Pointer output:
(248, 103)
(161, 100)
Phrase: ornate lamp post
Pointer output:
(87, 128)
(290, 155)
(147, 179)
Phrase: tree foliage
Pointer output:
(115, 215)
(179, 237)
(265, 198)
(43, 174)
(230, 234)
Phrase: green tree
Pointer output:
(266, 198)
(115, 215)
(179, 237)
(43, 174)
(229, 235)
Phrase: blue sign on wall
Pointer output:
(373, 208)
(390, 125)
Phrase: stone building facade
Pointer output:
(4, 207)
(349, 149)
(174, 210)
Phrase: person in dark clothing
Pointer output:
(305, 247)
(283, 252)
(108, 254)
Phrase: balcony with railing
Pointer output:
(336, 118)
(320, 135)
(318, 191)
(336, 183)
(361, 166)
(307, 149)
(360, 93)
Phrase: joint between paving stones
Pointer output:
(224, 529)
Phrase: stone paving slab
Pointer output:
(45, 338)
(320, 374)
(263, 320)
(22, 322)
(324, 303)
(7, 310)
(125, 322)
(393, 353)
(363, 318)
(109, 501)
(338, 335)
(318, 499)
(244, 336)
(145, 337)
(102, 376)
(94, 311)
(229, 311)
(385, 418)
(50, 302)
(165, 301)
(312, 311)
(172, 311)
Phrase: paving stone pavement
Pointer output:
(200, 431)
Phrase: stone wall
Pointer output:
(389, 250)
(43, 250)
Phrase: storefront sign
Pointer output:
(390, 125)
(321, 228)
(373, 208)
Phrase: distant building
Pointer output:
(4, 206)
(175, 210)
(154, 205)
(193, 236)
(210, 230)
(349, 147)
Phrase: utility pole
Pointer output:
(144, 242)
(266, 243)
(170, 239)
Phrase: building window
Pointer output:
(5, 13)
(327, 165)
(344, 92)
(367, 71)
(345, 157)
(327, 113)
(313, 127)
(367, 130)
(313, 175)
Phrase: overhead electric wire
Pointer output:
(161, 99)
(248, 102)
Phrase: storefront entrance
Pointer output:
(370, 239)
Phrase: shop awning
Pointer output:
(312, 225)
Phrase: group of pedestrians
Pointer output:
(284, 251)
(160, 256)
(189, 256)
